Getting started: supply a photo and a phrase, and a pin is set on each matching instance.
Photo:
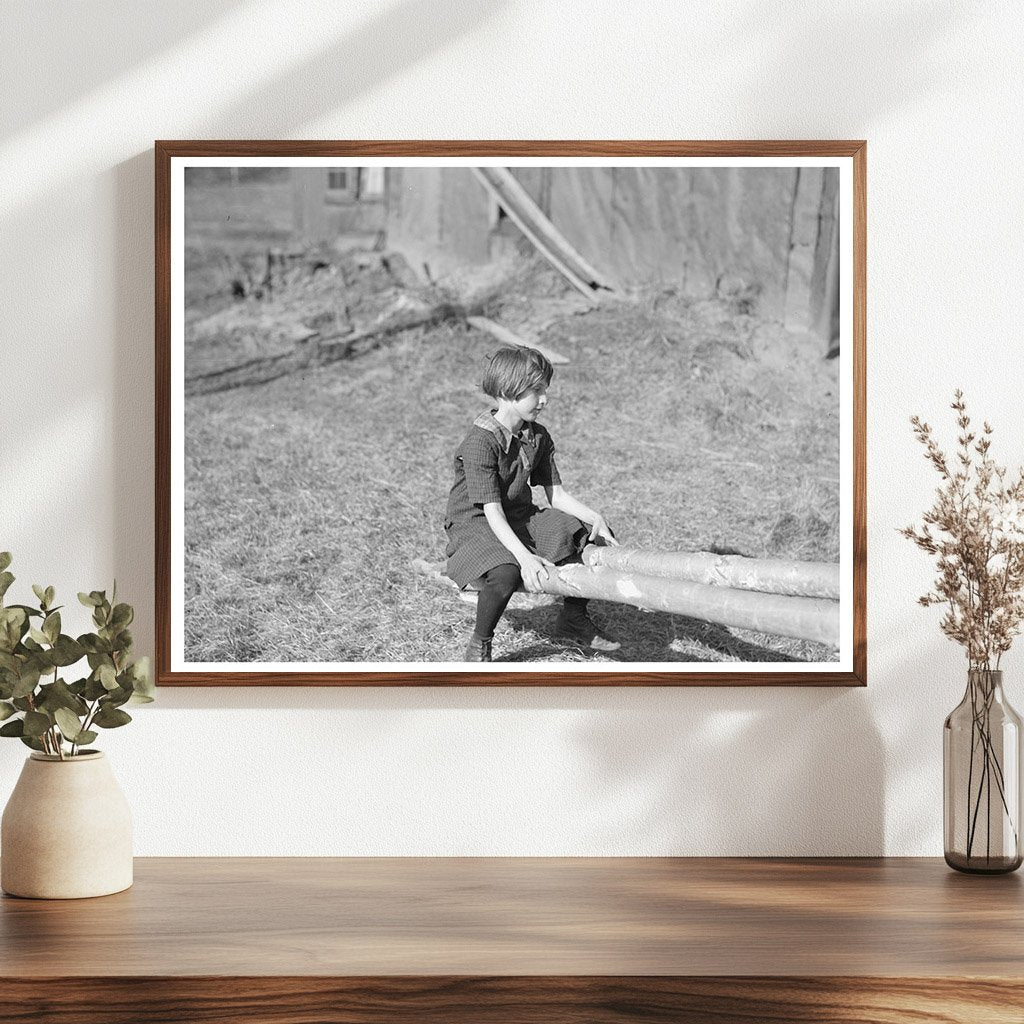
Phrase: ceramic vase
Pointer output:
(66, 831)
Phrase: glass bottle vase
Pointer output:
(981, 773)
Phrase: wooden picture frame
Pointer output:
(227, 544)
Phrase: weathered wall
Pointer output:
(685, 227)
(749, 230)
(320, 216)
(437, 217)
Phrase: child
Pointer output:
(497, 537)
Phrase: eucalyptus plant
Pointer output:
(46, 712)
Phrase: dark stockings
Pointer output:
(496, 588)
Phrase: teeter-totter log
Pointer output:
(768, 575)
(804, 618)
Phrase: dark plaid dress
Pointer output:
(492, 464)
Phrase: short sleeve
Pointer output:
(545, 472)
(479, 458)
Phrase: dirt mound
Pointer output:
(303, 309)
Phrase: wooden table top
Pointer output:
(690, 917)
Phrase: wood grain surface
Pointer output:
(551, 1000)
(522, 939)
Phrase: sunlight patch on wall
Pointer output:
(176, 87)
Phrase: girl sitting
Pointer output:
(497, 537)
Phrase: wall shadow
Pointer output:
(396, 38)
(815, 786)
(52, 40)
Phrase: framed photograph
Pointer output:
(510, 413)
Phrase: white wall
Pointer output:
(936, 88)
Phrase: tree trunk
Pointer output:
(768, 575)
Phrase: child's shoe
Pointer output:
(576, 626)
(478, 649)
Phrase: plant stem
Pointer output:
(970, 768)
(58, 739)
(982, 698)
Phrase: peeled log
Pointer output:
(806, 618)
(768, 575)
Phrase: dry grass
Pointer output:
(691, 426)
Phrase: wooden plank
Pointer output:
(551, 244)
(581, 203)
(507, 337)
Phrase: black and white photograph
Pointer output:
(555, 417)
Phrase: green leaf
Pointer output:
(89, 600)
(96, 660)
(69, 724)
(9, 663)
(36, 723)
(67, 651)
(38, 635)
(97, 647)
(115, 698)
(59, 695)
(31, 741)
(108, 718)
(142, 681)
(87, 641)
(14, 615)
(5, 560)
(15, 728)
(27, 681)
(51, 626)
(22, 703)
(40, 592)
(106, 675)
(12, 623)
(6, 710)
(6, 579)
(30, 612)
(50, 595)
(94, 689)
(94, 645)
(122, 616)
(86, 736)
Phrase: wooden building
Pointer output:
(769, 234)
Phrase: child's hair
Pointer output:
(514, 370)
